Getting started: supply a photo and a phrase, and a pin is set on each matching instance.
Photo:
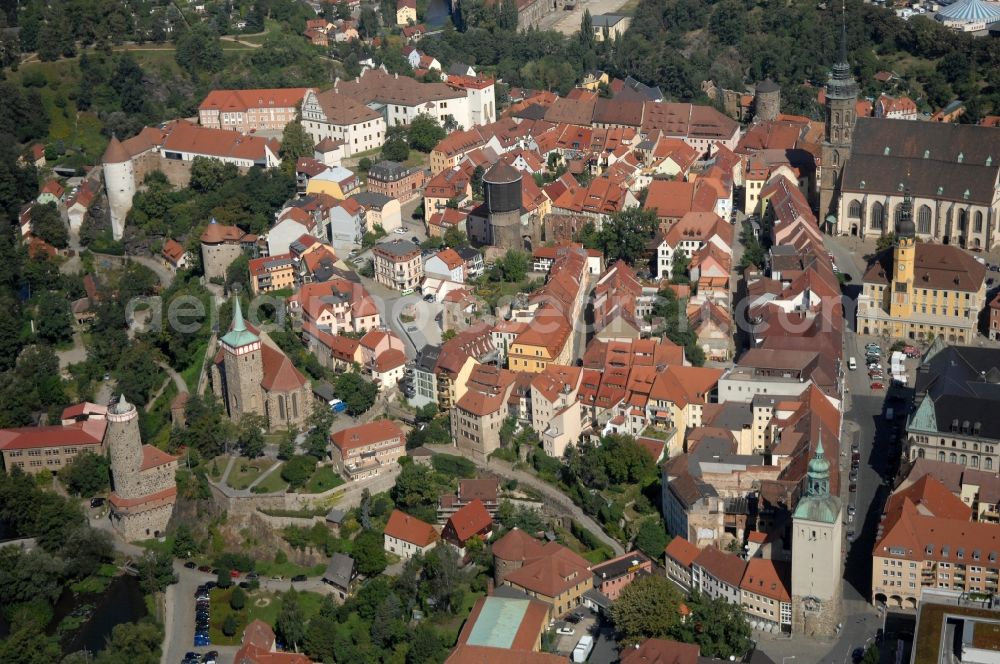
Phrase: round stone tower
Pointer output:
(766, 101)
(125, 448)
(502, 192)
(119, 182)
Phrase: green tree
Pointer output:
(719, 628)
(286, 448)
(223, 578)
(199, 50)
(251, 435)
(295, 143)
(369, 553)
(87, 474)
(156, 571)
(238, 599)
(317, 442)
(652, 538)
(425, 646)
(368, 23)
(297, 470)
(229, 625)
(132, 643)
(425, 132)
(513, 265)
(646, 608)
(184, 542)
(456, 238)
(625, 235)
(291, 622)
(679, 268)
(586, 34)
(357, 393)
(477, 182)
(885, 242)
(209, 175)
(29, 645)
(46, 224)
(238, 275)
(55, 320)
(395, 148)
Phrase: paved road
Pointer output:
(556, 499)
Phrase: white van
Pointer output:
(582, 650)
(852, 364)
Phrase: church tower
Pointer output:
(243, 366)
(904, 255)
(841, 113)
(125, 448)
(817, 543)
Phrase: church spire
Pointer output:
(819, 471)
(238, 324)
(841, 84)
(843, 31)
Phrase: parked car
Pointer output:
(97, 502)
(415, 240)
(190, 565)
(400, 231)
(211, 657)
(205, 568)
(851, 509)
(878, 386)
(566, 631)
(298, 578)
(853, 487)
(252, 575)
(234, 574)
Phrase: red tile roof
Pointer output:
(410, 529)
(90, 432)
(366, 434)
(173, 250)
(768, 578)
(280, 375)
(469, 520)
(241, 100)
(661, 651)
(390, 360)
(683, 551)
(555, 572)
(725, 567)
(153, 457)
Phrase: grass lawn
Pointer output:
(323, 479)
(628, 9)
(287, 569)
(272, 483)
(193, 372)
(259, 605)
(245, 471)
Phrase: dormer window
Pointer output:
(966, 194)
(927, 154)
(929, 550)
(961, 157)
(886, 151)
(940, 191)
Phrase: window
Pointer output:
(854, 210)
(924, 219)
(878, 216)
(977, 222)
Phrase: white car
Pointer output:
(400, 231)
(566, 631)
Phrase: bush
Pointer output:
(237, 561)
(454, 466)
(298, 470)
(223, 579)
(229, 625)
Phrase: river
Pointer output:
(438, 13)
(122, 602)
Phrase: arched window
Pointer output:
(281, 408)
(878, 216)
(963, 217)
(924, 219)
(989, 463)
(977, 222)
(963, 460)
(940, 456)
(836, 158)
(952, 458)
(854, 210)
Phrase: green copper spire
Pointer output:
(239, 335)
(818, 504)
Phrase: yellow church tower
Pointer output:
(904, 255)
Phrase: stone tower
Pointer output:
(244, 368)
(817, 543)
(841, 112)
(119, 183)
(125, 448)
(502, 191)
(766, 101)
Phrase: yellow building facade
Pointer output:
(922, 290)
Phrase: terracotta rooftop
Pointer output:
(153, 457)
(469, 520)
(410, 529)
(366, 434)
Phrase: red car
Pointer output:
(877, 386)
(234, 574)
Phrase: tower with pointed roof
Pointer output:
(251, 375)
(841, 113)
(817, 546)
(145, 489)
(125, 448)
(244, 367)
(119, 182)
